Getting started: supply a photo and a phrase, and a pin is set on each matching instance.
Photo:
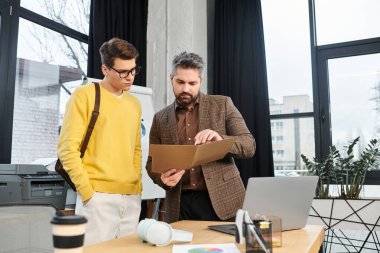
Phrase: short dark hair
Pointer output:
(187, 60)
(117, 48)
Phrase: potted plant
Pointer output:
(344, 175)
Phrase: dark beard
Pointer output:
(184, 102)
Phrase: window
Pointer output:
(287, 57)
(46, 68)
(289, 82)
(348, 75)
(354, 98)
(71, 13)
(277, 125)
(277, 139)
(42, 60)
(296, 138)
(324, 82)
(346, 20)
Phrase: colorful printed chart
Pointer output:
(205, 250)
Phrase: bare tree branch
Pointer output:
(75, 16)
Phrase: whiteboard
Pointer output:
(144, 94)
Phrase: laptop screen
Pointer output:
(289, 198)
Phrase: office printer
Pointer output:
(31, 184)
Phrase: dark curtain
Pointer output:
(240, 73)
(126, 19)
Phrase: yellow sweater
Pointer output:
(112, 161)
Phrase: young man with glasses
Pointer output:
(212, 191)
(108, 177)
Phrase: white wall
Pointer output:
(173, 26)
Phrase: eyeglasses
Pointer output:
(125, 73)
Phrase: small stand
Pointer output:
(256, 235)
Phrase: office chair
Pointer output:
(26, 228)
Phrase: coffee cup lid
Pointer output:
(68, 220)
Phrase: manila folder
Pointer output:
(165, 157)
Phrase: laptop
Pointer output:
(287, 197)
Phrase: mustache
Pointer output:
(185, 93)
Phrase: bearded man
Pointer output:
(212, 191)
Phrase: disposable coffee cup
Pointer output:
(68, 233)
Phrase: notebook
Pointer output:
(287, 197)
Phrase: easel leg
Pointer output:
(156, 208)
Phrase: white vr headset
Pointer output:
(160, 233)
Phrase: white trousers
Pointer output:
(109, 216)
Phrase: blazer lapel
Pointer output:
(203, 109)
(173, 124)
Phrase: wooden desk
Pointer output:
(308, 239)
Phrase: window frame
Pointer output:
(8, 54)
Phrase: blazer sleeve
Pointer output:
(154, 138)
(245, 145)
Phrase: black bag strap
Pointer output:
(94, 117)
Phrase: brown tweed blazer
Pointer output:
(222, 177)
